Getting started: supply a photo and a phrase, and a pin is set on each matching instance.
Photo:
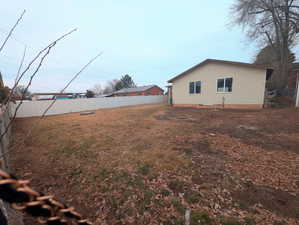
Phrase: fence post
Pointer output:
(4, 141)
(8, 216)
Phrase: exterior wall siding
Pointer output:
(248, 86)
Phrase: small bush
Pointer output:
(201, 218)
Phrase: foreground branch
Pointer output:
(33, 61)
(11, 31)
(45, 53)
(69, 83)
(52, 103)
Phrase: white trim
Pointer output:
(224, 92)
(194, 88)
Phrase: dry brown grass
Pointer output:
(147, 164)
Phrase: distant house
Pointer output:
(58, 96)
(219, 83)
(139, 91)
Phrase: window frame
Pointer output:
(195, 91)
(224, 92)
(194, 87)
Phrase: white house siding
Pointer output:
(248, 86)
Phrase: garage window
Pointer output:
(225, 85)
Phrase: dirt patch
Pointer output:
(264, 128)
(277, 201)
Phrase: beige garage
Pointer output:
(219, 83)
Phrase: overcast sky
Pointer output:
(150, 40)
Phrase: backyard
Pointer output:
(148, 164)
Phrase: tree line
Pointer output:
(125, 81)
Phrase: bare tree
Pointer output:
(111, 86)
(20, 92)
(274, 23)
(97, 89)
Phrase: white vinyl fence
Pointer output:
(36, 108)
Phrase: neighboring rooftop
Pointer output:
(218, 61)
(135, 89)
(55, 93)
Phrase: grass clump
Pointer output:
(201, 218)
(230, 221)
(192, 197)
(177, 186)
(249, 221)
(279, 222)
(188, 151)
(144, 169)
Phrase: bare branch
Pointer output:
(44, 52)
(12, 30)
(21, 64)
(33, 60)
(26, 89)
(52, 103)
(69, 83)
